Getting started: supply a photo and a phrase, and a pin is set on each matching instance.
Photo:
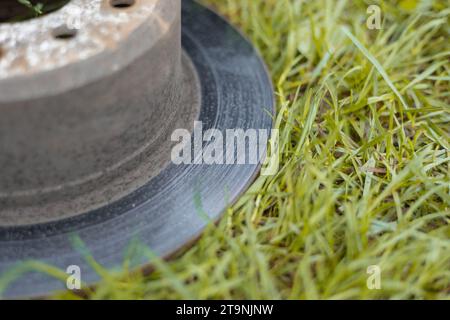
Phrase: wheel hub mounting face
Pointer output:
(90, 95)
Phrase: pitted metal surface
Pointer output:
(32, 47)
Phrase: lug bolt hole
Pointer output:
(122, 4)
(64, 33)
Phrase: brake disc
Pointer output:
(90, 96)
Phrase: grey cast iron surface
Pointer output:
(166, 213)
(94, 125)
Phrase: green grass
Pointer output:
(364, 178)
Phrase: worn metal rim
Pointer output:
(173, 208)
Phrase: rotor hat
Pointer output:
(87, 148)
(94, 120)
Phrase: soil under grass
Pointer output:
(364, 179)
(20, 10)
